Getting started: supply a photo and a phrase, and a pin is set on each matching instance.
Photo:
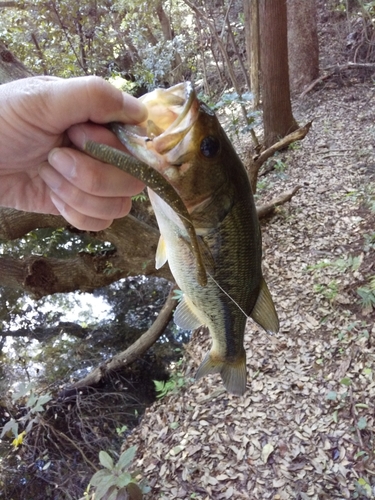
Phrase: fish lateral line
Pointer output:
(156, 182)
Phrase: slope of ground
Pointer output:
(304, 429)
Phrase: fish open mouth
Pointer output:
(171, 115)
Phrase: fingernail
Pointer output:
(63, 162)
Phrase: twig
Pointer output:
(268, 208)
(258, 160)
(334, 69)
(64, 436)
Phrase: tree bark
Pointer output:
(277, 110)
(10, 67)
(41, 276)
(168, 35)
(303, 43)
(251, 13)
(269, 208)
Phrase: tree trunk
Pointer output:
(168, 35)
(41, 276)
(10, 67)
(303, 44)
(277, 110)
(251, 13)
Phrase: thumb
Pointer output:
(90, 98)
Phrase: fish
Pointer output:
(182, 139)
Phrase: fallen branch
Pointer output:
(133, 352)
(268, 208)
(337, 69)
(258, 160)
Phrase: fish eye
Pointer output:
(210, 146)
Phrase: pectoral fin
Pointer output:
(185, 315)
(161, 253)
(264, 312)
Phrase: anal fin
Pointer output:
(264, 312)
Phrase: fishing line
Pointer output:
(227, 294)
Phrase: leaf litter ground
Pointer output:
(305, 427)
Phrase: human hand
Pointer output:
(43, 121)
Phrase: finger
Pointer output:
(100, 207)
(77, 219)
(81, 133)
(93, 99)
(90, 175)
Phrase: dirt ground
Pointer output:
(305, 427)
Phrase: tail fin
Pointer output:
(233, 373)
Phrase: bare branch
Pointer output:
(258, 160)
(269, 208)
(133, 352)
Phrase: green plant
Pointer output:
(165, 387)
(229, 102)
(367, 294)
(280, 166)
(328, 291)
(173, 384)
(115, 482)
(262, 185)
(34, 407)
(141, 197)
(341, 264)
(362, 489)
(294, 146)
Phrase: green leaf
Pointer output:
(106, 460)
(12, 425)
(32, 400)
(124, 479)
(361, 405)
(22, 390)
(362, 423)
(106, 487)
(42, 400)
(345, 381)
(335, 416)
(100, 476)
(126, 458)
(365, 486)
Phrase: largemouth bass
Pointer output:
(184, 141)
